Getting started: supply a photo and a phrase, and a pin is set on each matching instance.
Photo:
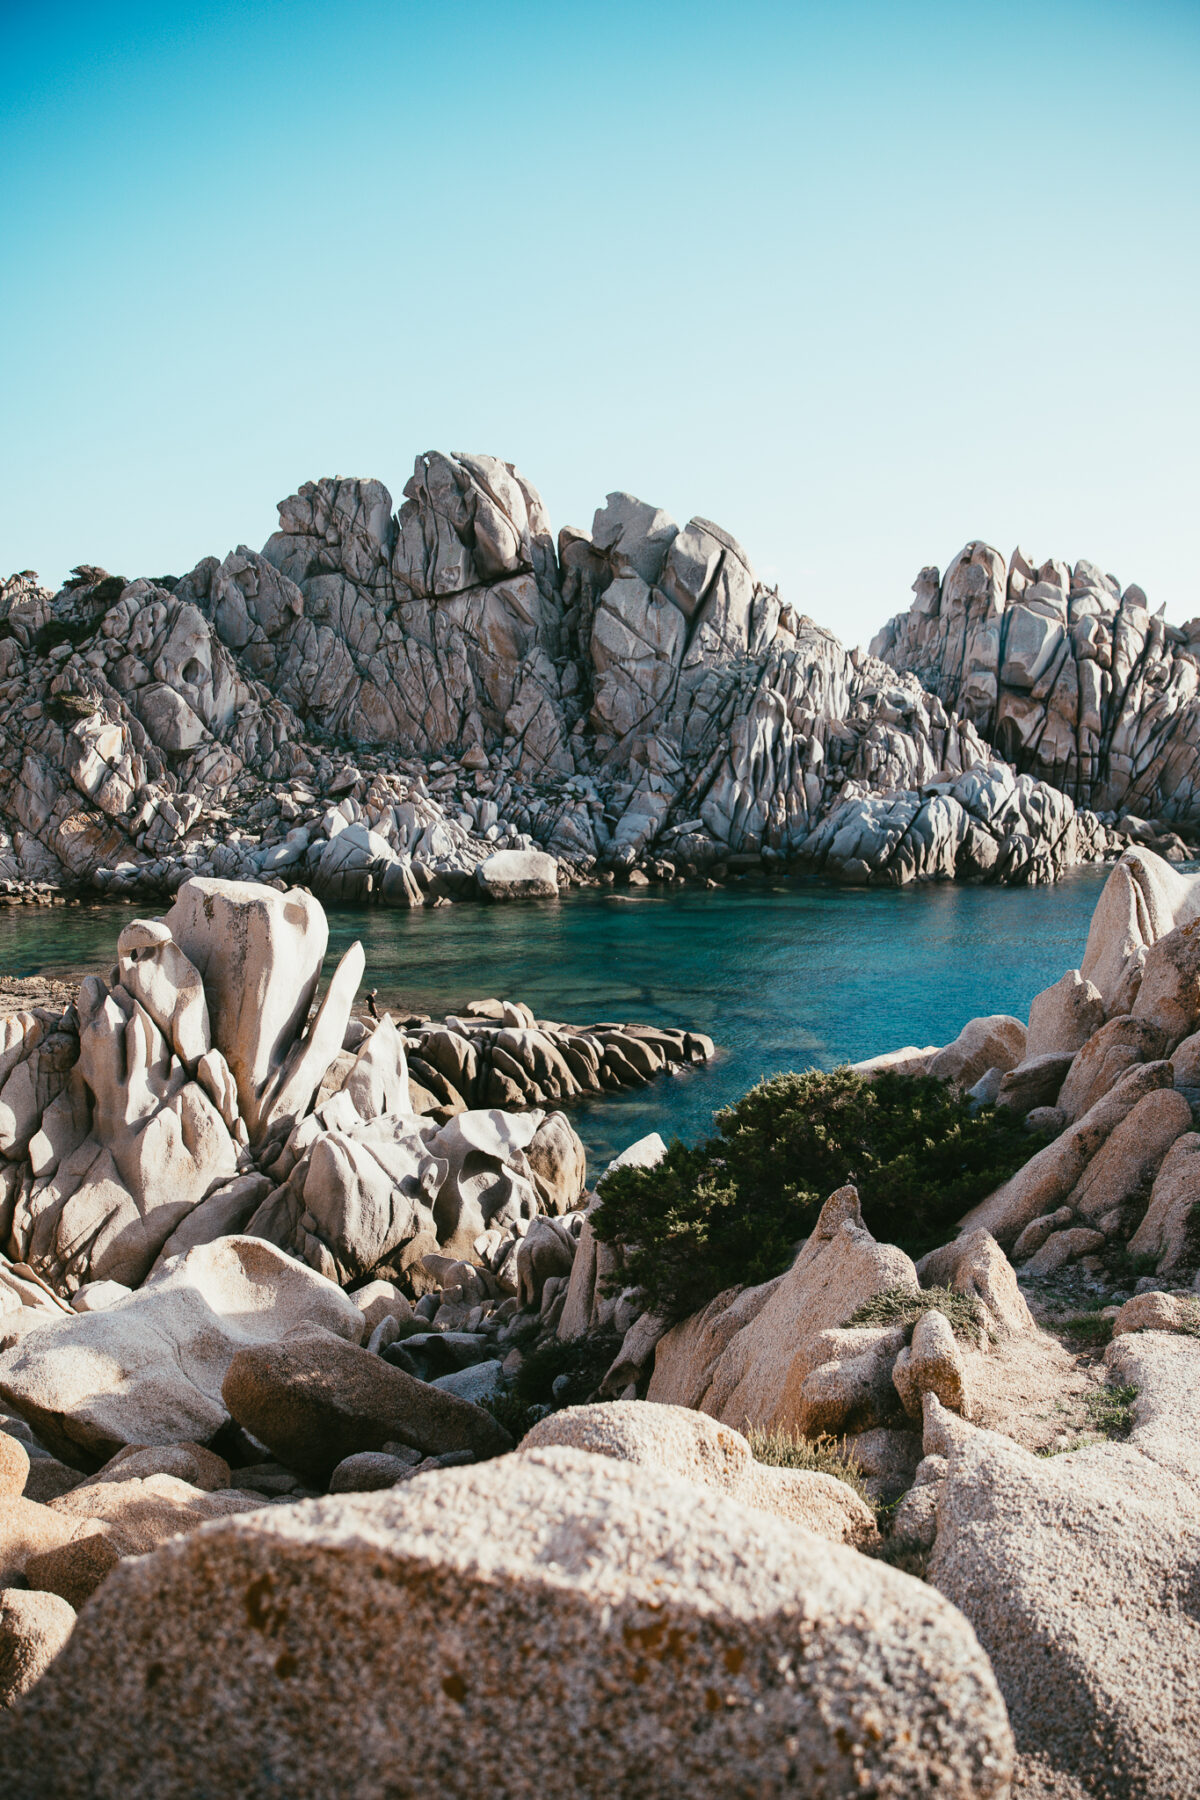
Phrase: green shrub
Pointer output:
(584, 1361)
(898, 1306)
(731, 1210)
(783, 1449)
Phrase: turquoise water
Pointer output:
(786, 976)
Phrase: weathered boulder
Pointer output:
(745, 1358)
(1170, 1228)
(149, 1370)
(315, 1399)
(259, 955)
(518, 875)
(1143, 900)
(995, 1042)
(687, 1444)
(932, 1364)
(33, 1629)
(845, 1378)
(1108, 1053)
(1156, 1311)
(1048, 1177)
(1169, 995)
(1063, 1017)
(1076, 1572)
(975, 1265)
(1034, 1082)
(1122, 1172)
(14, 1464)
(1164, 1368)
(734, 1642)
(1062, 1247)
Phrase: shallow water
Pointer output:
(787, 976)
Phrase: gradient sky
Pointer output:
(858, 281)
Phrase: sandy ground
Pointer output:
(1033, 1390)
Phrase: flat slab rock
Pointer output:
(551, 1624)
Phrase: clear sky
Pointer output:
(859, 281)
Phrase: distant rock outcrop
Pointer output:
(1073, 680)
(631, 696)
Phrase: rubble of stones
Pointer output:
(440, 702)
(261, 1511)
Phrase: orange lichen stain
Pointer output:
(261, 1615)
(658, 1640)
(454, 1688)
(733, 1658)
(712, 1700)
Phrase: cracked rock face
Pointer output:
(1074, 681)
(631, 692)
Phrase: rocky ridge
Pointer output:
(1071, 677)
(381, 700)
(167, 1438)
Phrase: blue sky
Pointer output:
(859, 281)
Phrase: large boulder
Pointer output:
(1107, 1055)
(995, 1042)
(1143, 900)
(518, 875)
(149, 1370)
(1122, 1172)
(1169, 994)
(1163, 1366)
(687, 1444)
(1078, 1573)
(315, 1399)
(746, 1357)
(475, 1621)
(259, 954)
(1169, 1228)
(1063, 1017)
(1049, 1176)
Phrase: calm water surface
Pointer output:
(789, 976)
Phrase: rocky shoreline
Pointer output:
(380, 704)
(319, 1390)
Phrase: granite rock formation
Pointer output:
(1073, 679)
(381, 700)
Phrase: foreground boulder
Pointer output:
(149, 1370)
(315, 1399)
(686, 1444)
(1079, 1574)
(365, 1646)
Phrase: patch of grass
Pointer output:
(905, 1554)
(898, 1306)
(1082, 1328)
(1110, 1410)
(1132, 1268)
(783, 1449)
(733, 1209)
